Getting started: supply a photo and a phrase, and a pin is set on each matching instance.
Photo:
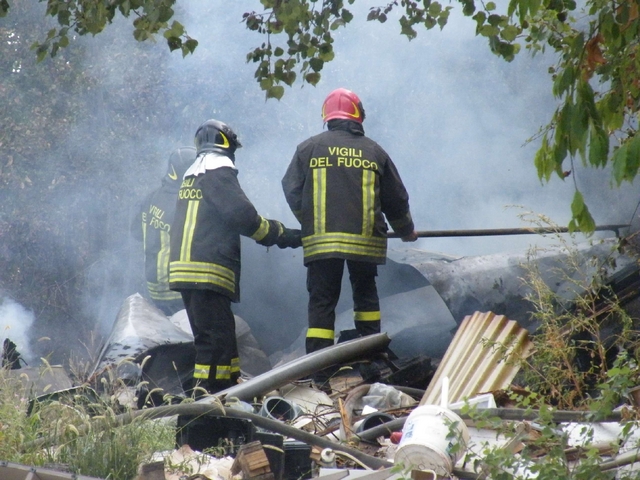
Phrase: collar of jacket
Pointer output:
(208, 161)
(350, 126)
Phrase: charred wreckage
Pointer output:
(398, 402)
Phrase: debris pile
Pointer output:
(380, 416)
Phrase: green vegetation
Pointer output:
(88, 439)
(585, 358)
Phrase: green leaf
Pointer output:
(495, 20)
(543, 161)
(509, 33)
(164, 15)
(316, 64)
(490, 6)
(142, 35)
(563, 126)
(347, 16)
(4, 8)
(125, 7)
(266, 83)
(289, 77)
(177, 30)
(174, 43)
(505, 50)
(582, 219)
(559, 152)
(373, 14)
(434, 9)
(337, 23)
(598, 146)
(619, 161)
(275, 92)
(326, 56)
(191, 44)
(406, 28)
(41, 50)
(534, 6)
(564, 81)
(633, 158)
(312, 78)
(579, 128)
(480, 18)
(468, 7)
(64, 17)
(489, 31)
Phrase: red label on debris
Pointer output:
(396, 437)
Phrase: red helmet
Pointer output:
(344, 104)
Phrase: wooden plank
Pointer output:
(252, 461)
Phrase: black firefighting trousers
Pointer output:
(324, 280)
(169, 307)
(217, 363)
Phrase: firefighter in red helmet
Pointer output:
(212, 211)
(344, 188)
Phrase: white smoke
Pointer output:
(15, 322)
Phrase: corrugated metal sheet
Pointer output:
(474, 366)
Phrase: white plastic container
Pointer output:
(433, 438)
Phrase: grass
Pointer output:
(88, 441)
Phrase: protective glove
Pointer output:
(290, 238)
(275, 231)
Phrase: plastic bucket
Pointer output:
(433, 438)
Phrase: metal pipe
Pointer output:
(517, 414)
(504, 231)
(302, 367)
(195, 409)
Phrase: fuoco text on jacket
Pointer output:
(343, 157)
(187, 193)
(155, 221)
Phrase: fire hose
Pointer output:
(505, 231)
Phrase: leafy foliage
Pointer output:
(585, 358)
(577, 341)
(309, 42)
(91, 17)
(596, 78)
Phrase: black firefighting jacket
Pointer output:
(151, 225)
(341, 185)
(212, 211)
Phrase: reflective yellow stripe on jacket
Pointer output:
(368, 199)
(346, 243)
(189, 228)
(189, 271)
(319, 200)
(363, 244)
(161, 292)
(201, 272)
